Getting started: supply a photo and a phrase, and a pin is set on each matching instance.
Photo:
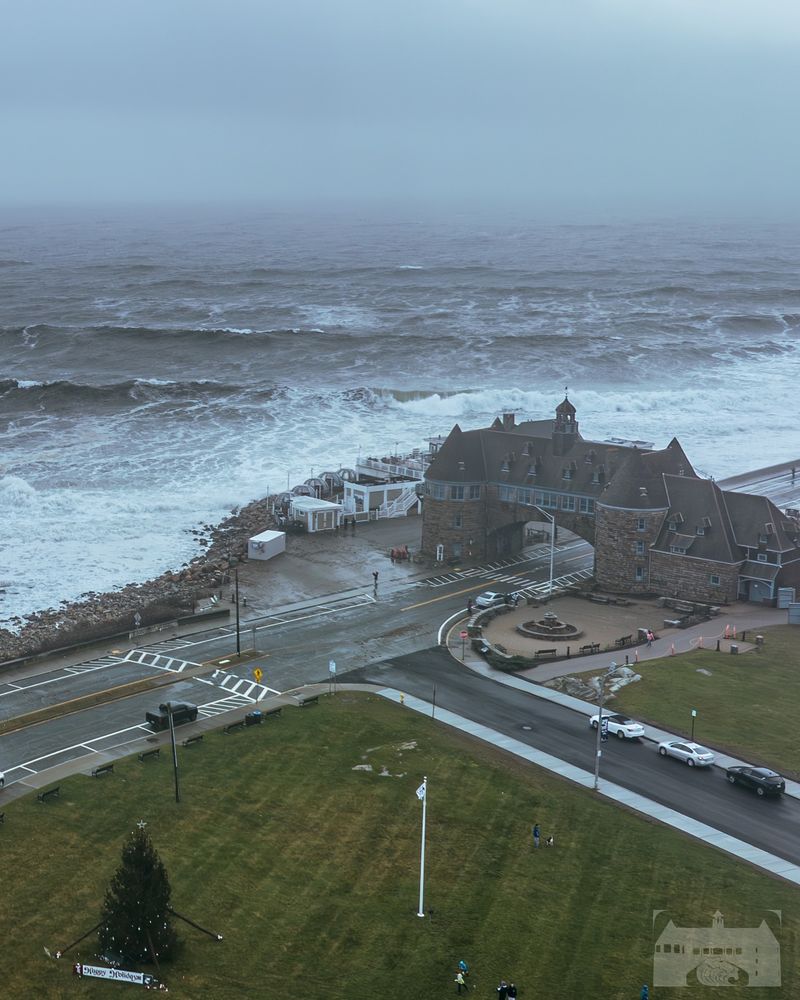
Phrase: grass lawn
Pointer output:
(310, 870)
(747, 706)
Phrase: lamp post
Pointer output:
(611, 668)
(174, 750)
(236, 592)
(552, 519)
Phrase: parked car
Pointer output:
(491, 599)
(764, 781)
(620, 725)
(182, 711)
(691, 753)
(2, 779)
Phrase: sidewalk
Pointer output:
(531, 681)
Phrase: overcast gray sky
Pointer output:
(607, 105)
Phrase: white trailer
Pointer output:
(266, 545)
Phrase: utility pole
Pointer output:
(236, 592)
(174, 751)
(598, 752)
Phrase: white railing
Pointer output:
(400, 505)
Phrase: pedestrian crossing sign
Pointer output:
(258, 674)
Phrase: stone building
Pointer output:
(656, 526)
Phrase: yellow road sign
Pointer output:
(258, 673)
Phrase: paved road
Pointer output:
(701, 793)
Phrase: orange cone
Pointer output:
(734, 631)
(727, 631)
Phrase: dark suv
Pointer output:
(764, 781)
(182, 711)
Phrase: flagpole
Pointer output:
(421, 911)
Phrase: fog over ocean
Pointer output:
(158, 370)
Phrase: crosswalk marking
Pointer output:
(98, 664)
(158, 660)
(213, 708)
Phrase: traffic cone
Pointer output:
(700, 642)
(672, 649)
(734, 631)
(636, 656)
(727, 631)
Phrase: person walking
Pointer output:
(536, 834)
(645, 994)
(460, 984)
(502, 990)
(469, 607)
(375, 579)
(512, 991)
(463, 967)
(650, 637)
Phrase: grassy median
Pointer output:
(746, 704)
(309, 868)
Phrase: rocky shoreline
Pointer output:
(163, 598)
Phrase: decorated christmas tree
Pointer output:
(136, 920)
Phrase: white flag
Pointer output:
(421, 791)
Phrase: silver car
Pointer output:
(691, 753)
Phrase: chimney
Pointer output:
(508, 421)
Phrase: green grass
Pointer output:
(747, 706)
(310, 870)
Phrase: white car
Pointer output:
(692, 753)
(491, 599)
(2, 779)
(621, 726)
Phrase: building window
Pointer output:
(456, 492)
(673, 525)
(456, 520)
(677, 550)
(640, 573)
(762, 557)
(568, 503)
(525, 496)
(550, 500)
(475, 492)
(640, 548)
(700, 530)
(641, 524)
(566, 473)
(586, 506)
(714, 580)
(508, 493)
(456, 550)
(436, 490)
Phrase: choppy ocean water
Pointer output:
(159, 370)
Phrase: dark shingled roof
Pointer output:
(751, 514)
(639, 484)
(698, 503)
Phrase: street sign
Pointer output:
(332, 666)
(464, 633)
(258, 673)
(137, 620)
(694, 713)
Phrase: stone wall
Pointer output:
(438, 528)
(690, 579)
(616, 558)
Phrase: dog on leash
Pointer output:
(550, 841)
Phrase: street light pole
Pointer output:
(236, 592)
(174, 750)
(552, 553)
(612, 667)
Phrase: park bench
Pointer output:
(546, 652)
(590, 647)
(103, 769)
(192, 740)
(51, 793)
(146, 754)
(313, 700)
(599, 599)
(624, 640)
(273, 711)
(234, 725)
